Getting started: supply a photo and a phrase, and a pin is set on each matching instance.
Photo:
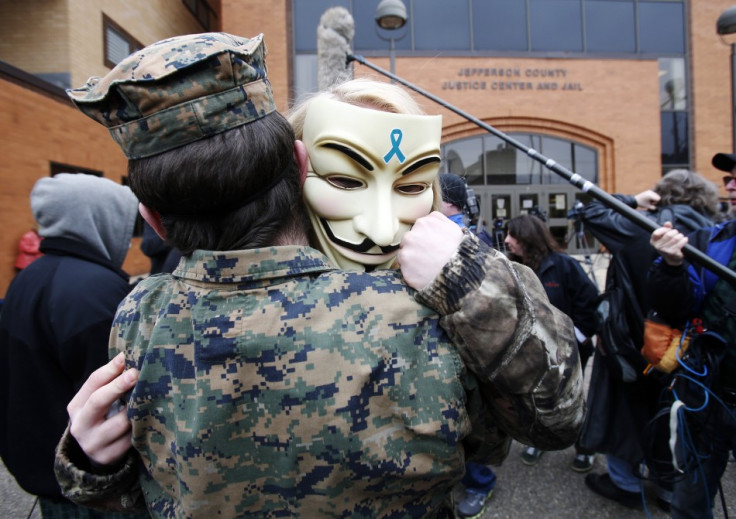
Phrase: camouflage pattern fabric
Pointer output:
(521, 347)
(272, 385)
(178, 91)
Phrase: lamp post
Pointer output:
(391, 16)
(726, 24)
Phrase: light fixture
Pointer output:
(391, 14)
(726, 23)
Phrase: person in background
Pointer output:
(339, 414)
(681, 292)
(727, 162)
(619, 411)
(56, 321)
(479, 480)
(28, 249)
(530, 242)
(480, 230)
(454, 198)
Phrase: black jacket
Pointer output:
(618, 412)
(629, 242)
(54, 329)
(570, 289)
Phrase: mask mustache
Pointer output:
(361, 247)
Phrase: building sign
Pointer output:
(512, 78)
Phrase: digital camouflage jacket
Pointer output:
(273, 385)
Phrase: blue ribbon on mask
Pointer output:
(396, 136)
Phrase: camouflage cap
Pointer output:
(178, 91)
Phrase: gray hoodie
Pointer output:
(89, 209)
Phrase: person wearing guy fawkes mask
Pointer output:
(364, 190)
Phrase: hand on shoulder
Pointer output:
(427, 247)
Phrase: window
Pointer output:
(675, 150)
(305, 70)
(499, 25)
(609, 27)
(508, 26)
(449, 16)
(661, 28)
(306, 20)
(203, 13)
(118, 43)
(490, 160)
(561, 152)
(672, 84)
(463, 157)
(556, 25)
(502, 163)
(55, 168)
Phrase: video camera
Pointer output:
(471, 203)
(575, 214)
(536, 211)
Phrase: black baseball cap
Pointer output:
(724, 161)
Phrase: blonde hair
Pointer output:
(367, 93)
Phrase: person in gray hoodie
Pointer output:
(56, 321)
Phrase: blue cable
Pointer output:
(679, 358)
(708, 393)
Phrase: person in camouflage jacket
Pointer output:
(269, 382)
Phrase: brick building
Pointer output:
(631, 89)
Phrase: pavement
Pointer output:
(552, 490)
(549, 490)
(14, 502)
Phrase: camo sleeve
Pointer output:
(115, 489)
(520, 347)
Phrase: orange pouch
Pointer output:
(660, 346)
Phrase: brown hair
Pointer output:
(535, 239)
(236, 190)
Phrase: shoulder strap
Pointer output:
(621, 279)
(666, 215)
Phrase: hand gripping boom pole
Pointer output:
(690, 252)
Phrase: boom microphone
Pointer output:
(334, 39)
(690, 252)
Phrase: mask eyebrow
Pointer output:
(418, 164)
(350, 153)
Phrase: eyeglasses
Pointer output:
(727, 179)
